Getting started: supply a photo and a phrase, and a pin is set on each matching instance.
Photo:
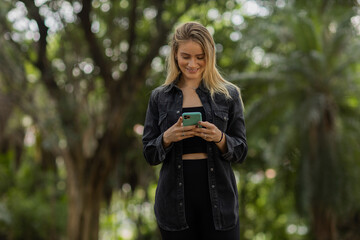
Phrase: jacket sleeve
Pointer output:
(153, 149)
(236, 132)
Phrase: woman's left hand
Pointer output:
(209, 132)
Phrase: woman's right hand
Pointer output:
(177, 132)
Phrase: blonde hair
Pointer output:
(196, 32)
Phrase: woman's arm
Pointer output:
(235, 134)
(153, 149)
(155, 143)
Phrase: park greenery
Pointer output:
(75, 79)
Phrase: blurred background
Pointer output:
(75, 79)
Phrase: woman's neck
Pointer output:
(186, 83)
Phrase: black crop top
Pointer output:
(194, 144)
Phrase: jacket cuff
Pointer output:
(236, 151)
(161, 150)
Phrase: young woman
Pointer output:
(196, 196)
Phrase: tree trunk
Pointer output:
(6, 108)
(86, 175)
(324, 223)
(84, 198)
(324, 174)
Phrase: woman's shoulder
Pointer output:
(233, 90)
(235, 96)
(227, 95)
(158, 91)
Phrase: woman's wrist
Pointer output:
(221, 144)
(221, 137)
(165, 142)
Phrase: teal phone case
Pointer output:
(191, 118)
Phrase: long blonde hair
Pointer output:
(196, 32)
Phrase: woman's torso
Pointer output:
(191, 102)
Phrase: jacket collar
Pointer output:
(173, 85)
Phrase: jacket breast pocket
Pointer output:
(221, 120)
(162, 122)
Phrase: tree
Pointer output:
(91, 134)
(308, 82)
(91, 57)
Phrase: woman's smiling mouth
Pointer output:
(192, 70)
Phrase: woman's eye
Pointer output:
(187, 57)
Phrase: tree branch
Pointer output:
(42, 62)
(124, 95)
(64, 103)
(94, 47)
(129, 83)
(132, 35)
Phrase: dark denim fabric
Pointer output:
(164, 109)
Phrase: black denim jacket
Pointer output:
(164, 109)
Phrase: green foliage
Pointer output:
(131, 215)
(32, 206)
(291, 60)
(299, 105)
(267, 211)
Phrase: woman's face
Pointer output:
(191, 60)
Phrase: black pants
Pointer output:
(198, 207)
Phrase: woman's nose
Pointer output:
(192, 62)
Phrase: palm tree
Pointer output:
(308, 92)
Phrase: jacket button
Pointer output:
(179, 166)
(215, 206)
(180, 203)
(180, 184)
(213, 186)
(212, 169)
(177, 111)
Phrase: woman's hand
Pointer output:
(209, 132)
(177, 132)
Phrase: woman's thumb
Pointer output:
(179, 121)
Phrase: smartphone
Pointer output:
(192, 118)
